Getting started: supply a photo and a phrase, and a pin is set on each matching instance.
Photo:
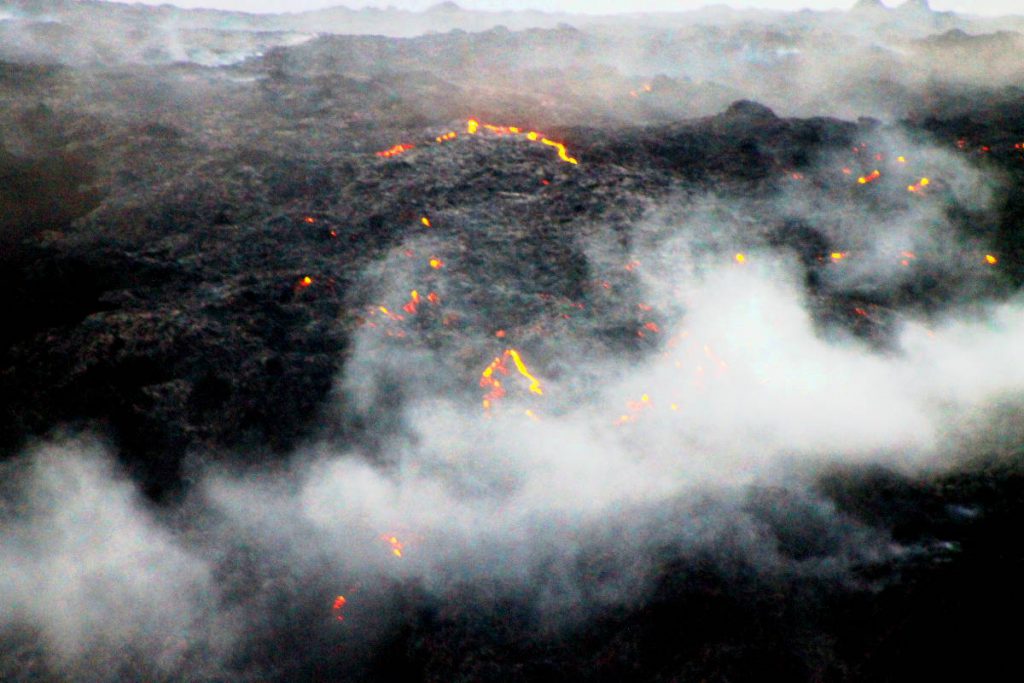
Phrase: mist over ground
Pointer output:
(456, 345)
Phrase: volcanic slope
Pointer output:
(222, 243)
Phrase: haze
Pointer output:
(990, 7)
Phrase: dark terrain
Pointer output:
(159, 221)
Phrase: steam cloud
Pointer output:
(570, 511)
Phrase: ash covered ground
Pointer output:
(379, 345)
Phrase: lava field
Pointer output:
(470, 346)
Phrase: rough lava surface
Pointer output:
(508, 346)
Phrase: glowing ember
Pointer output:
(919, 185)
(339, 602)
(396, 546)
(499, 365)
(388, 314)
(436, 263)
(870, 178)
(451, 135)
(838, 255)
(901, 160)
(425, 221)
(395, 151)
(433, 298)
(634, 409)
(304, 282)
(991, 260)
(741, 258)
(309, 219)
(414, 302)
(473, 127)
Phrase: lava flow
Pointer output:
(395, 151)
(870, 177)
(499, 365)
(473, 127)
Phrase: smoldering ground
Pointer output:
(695, 409)
(703, 446)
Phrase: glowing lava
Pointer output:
(339, 603)
(991, 260)
(919, 185)
(396, 546)
(413, 303)
(870, 178)
(473, 127)
(436, 263)
(395, 151)
(500, 365)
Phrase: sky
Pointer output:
(588, 6)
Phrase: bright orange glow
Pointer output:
(339, 602)
(499, 365)
(395, 151)
(305, 282)
(919, 185)
(413, 303)
(901, 160)
(425, 221)
(500, 334)
(473, 126)
(870, 178)
(309, 219)
(446, 137)
(838, 255)
(991, 260)
(436, 263)
(396, 546)
(741, 258)
(433, 298)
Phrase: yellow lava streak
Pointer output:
(396, 545)
(870, 178)
(497, 391)
(473, 126)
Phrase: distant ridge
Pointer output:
(869, 6)
(915, 6)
